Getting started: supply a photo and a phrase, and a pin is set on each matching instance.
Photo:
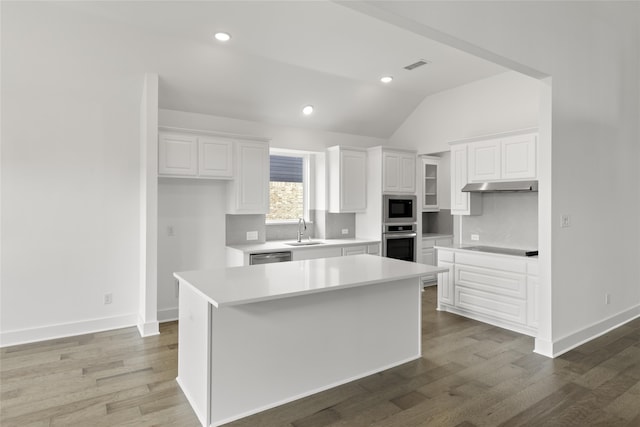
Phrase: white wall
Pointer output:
(192, 209)
(501, 103)
(70, 175)
(281, 136)
(589, 148)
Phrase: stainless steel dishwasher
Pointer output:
(269, 257)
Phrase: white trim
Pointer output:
(168, 315)
(149, 328)
(543, 347)
(214, 133)
(576, 339)
(64, 330)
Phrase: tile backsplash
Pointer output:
(507, 220)
(322, 225)
(237, 227)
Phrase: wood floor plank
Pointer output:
(471, 375)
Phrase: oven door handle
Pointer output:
(399, 235)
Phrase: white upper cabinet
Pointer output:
(430, 177)
(192, 155)
(398, 172)
(249, 191)
(177, 154)
(215, 157)
(484, 160)
(519, 160)
(462, 203)
(509, 158)
(347, 179)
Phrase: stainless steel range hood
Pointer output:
(501, 187)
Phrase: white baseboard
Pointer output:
(593, 331)
(168, 315)
(49, 332)
(148, 329)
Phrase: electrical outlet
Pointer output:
(475, 237)
(108, 298)
(170, 231)
(345, 231)
(607, 298)
(565, 221)
(252, 235)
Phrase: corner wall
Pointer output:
(592, 144)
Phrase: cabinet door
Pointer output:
(445, 284)
(462, 203)
(249, 190)
(390, 172)
(407, 173)
(484, 161)
(314, 253)
(532, 301)
(354, 250)
(177, 154)
(216, 157)
(519, 157)
(430, 169)
(353, 181)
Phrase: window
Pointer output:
(287, 187)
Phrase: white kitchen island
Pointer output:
(255, 337)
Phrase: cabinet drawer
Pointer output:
(492, 261)
(501, 283)
(497, 306)
(446, 256)
(354, 250)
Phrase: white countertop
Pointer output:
(435, 235)
(464, 248)
(243, 285)
(281, 245)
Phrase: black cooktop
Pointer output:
(505, 251)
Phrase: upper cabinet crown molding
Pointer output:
(227, 135)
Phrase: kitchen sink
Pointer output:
(307, 243)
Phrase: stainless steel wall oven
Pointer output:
(399, 241)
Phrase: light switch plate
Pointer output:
(252, 235)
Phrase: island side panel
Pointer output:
(268, 353)
(194, 350)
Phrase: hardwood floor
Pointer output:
(471, 374)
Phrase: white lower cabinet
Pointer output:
(497, 289)
(429, 254)
(364, 249)
(445, 285)
(313, 253)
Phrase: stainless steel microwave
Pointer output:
(398, 208)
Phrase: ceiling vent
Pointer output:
(416, 65)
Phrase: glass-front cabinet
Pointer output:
(429, 196)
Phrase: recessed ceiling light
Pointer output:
(307, 110)
(223, 37)
(386, 79)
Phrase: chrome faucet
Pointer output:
(301, 223)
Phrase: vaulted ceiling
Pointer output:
(284, 55)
